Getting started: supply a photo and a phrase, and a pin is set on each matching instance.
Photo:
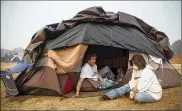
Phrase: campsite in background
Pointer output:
(49, 67)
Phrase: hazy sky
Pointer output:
(21, 19)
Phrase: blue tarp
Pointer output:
(18, 68)
(17, 58)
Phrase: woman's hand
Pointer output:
(135, 90)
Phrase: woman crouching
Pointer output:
(143, 87)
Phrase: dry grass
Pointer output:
(5, 65)
(177, 67)
(176, 59)
(170, 101)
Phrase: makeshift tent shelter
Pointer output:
(58, 51)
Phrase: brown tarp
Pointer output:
(35, 44)
(68, 58)
(45, 78)
(46, 61)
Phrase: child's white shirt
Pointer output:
(88, 71)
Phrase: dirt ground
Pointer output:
(170, 101)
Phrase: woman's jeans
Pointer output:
(142, 97)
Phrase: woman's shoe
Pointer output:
(105, 97)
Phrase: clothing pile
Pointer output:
(107, 83)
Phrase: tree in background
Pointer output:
(176, 46)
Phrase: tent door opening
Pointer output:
(109, 56)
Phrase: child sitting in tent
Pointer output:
(89, 70)
(143, 87)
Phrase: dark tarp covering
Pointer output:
(113, 29)
(106, 35)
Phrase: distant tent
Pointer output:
(58, 52)
(16, 58)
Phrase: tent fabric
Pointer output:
(25, 76)
(68, 87)
(77, 67)
(87, 85)
(26, 90)
(168, 78)
(46, 61)
(157, 36)
(158, 40)
(68, 58)
(166, 74)
(62, 84)
(42, 79)
(149, 60)
(107, 35)
(38, 39)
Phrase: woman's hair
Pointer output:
(138, 60)
(89, 56)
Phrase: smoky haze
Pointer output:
(21, 19)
